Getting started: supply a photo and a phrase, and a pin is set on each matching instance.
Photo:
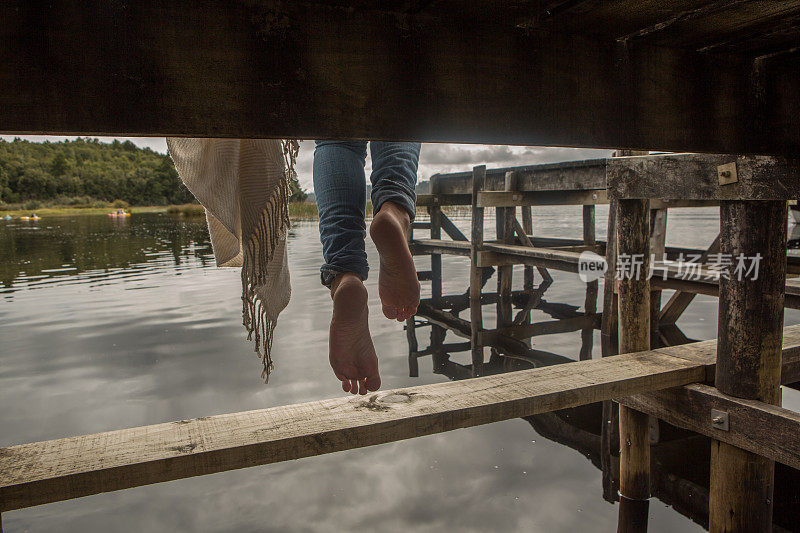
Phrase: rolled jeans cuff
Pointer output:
(400, 196)
(328, 273)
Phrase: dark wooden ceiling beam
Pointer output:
(305, 70)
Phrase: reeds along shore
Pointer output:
(297, 210)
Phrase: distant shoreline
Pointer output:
(297, 210)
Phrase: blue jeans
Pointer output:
(340, 188)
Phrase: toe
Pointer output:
(346, 385)
(389, 312)
(373, 382)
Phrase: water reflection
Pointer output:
(94, 249)
(680, 459)
(141, 329)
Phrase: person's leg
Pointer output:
(340, 190)
(394, 177)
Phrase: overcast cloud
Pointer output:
(434, 157)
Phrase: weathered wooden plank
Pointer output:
(439, 246)
(451, 229)
(567, 175)
(37, 473)
(511, 199)
(426, 200)
(311, 70)
(757, 427)
(696, 177)
(496, 254)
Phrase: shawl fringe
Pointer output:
(260, 248)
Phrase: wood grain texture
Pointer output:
(475, 271)
(568, 175)
(694, 177)
(751, 310)
(748, 357)
(755, 426)
(314, 70)
(566, 197)
(633, 240)
(439, 246)
(37, 473)
(740, 491)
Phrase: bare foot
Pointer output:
(398, 285)
(350, 350)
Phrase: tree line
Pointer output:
(86, 170)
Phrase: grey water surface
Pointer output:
(109, 324)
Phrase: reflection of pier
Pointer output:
(515, 243)
(679, 474)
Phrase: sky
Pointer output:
(434, 157)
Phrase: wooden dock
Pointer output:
(715, 77)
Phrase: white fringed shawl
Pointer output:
(243, 184)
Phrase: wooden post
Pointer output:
(527, 226)
(413, 348)
(609, 328)
(505, 234)
(590, 302)
(588, 225)
(609, 437)
(435, 212)
(438, 333)
(748, 356)
(411, 333)
(658, 243)
(475, 277)
(634, 335)
(527, 272)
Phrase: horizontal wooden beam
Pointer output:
(439, 246)
(761, 428)
(320, 70)
(511, 199)
(703, 177)
(509, 254)
(565, 176)
(43, 472)
(428, 200)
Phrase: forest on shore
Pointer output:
(89, 173)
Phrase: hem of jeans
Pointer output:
(405, 202)
(334, 271)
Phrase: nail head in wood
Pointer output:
(719, 419)
(727, 173)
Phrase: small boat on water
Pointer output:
(34, 216)
(119, 214)
(795, 211)
(7, 217)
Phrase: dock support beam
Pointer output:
(475, 274)
(590, 302)
(748, 356)
(435, 211)
(633, 222)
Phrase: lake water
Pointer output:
(110, 324)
